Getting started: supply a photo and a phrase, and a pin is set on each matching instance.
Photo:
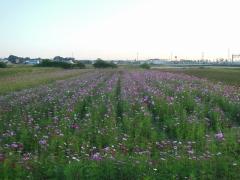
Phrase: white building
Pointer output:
(157, 61)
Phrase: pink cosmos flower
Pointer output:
(219, 136)
(74, 126)
(42, 142)
(96, 157)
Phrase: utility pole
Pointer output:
(202, 56)
(229, 55)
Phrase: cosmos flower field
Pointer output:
(122, 124)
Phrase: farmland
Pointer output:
(119, 124)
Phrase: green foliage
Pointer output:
(145, 66)
(48, 63)
(65, 65)
(79, 65)
(13, 58)
(103, 64)
(3, 65)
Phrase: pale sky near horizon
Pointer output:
(118, 29)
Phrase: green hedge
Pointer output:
(48, 63)
(145, 66)
(3, 65)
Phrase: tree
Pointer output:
(12, 58)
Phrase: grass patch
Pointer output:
(228, 76)
(18, 78)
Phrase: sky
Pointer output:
(120, 29)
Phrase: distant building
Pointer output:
(157, 61)
(5, 61)
(185, 61)
(32, 61)
(115, 62)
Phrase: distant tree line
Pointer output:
(63, 59)
(63, 62)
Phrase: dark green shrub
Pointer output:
(103, 64)
(3, 65)
(145, 66)
(79, 65)
(48, 63)
(65, 65)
